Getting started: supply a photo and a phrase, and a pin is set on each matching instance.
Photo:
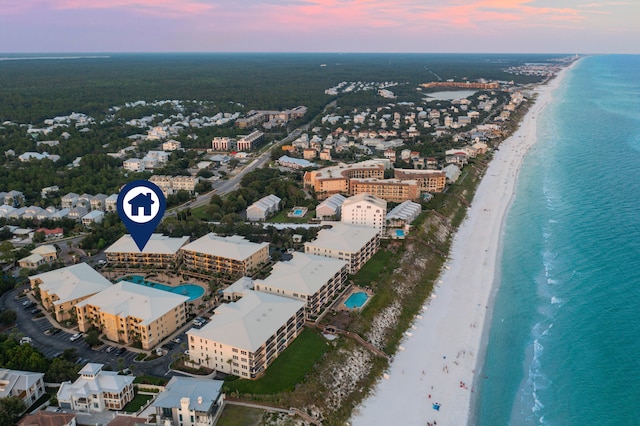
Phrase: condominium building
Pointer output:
(394, 190)
(251, 141)
(263, 208)
(171, 184)
(243, 338)
(223, 144)
(314, 280)
(62, 289)
(428, 180)
(232, 255)
(352, 243)
(96, 390)
(330, 208)
(335, 179)
(159, 252)
(189, 401)
(127, 312)
(365, 210)
(403, 215)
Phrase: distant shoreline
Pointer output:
(441, 361)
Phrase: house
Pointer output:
(39, 256)
(141, 201)
(48, 190)
(51, 234)
(314, 280)
(77, 213)
(453, 173)
(13, 198)
(26, 385)
(128, 312)
(263, 208)
(364, 209)
(133, 165)
(61, 289)
(159, 252)
(171, 145)
(352, 243)
(48, 418)
(294, 163)
(403, 214)
(96, 390)
(189, 401)
(244, 337)
(330, 208)
(70, 200)
(110, 203)
(94, 216)
(233, 255)
(98, 202)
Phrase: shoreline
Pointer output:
(436, 385)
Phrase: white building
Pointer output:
(171, 145)
(330, 208)
(159, 252)
(96, 390)
(189, 401)
(263, 208)
(314, 280)
(94, 216)
(453, 173)
(401, 216)
(26, 385)
(70, 200)
(133, 164)
(351, 243)
(243, 338)
(366, 210)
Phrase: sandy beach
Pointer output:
(431, 379)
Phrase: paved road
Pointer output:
(53, 345)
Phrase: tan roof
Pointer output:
(72, 282)
(232, 247)
(157, 244)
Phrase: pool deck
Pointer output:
(340, 306)
(171, 281)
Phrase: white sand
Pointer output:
(442, 351)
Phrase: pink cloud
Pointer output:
(166, 8)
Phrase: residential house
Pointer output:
(128, 312)
(133, 165)
(77, 213)
(39, 256)
(69, 200)
(453, 173)
(330, 208)
(94, 216)
(13, 198)
(25, 385)
(189, 401)
(61, 289)
(48, 418)
(244, 337)
(96, 390)
(98, 202)
(401, 216)
(263, 208)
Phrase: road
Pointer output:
(224, 186)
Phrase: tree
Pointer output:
(10, 410)
(92, 338)
(38, 237)
(8, 317)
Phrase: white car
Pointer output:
(75, 337)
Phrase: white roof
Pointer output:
(333, 202)
(99, 382)
(93, 214)
(18, 380)
(250, 321)
(189, 387)
(126, 299)
(406, 211)
(240, 286)
(343, 237)
(232, 247)
(304, 273)
(157, 244)
(266, 203)
(72, 282)
(365, 198)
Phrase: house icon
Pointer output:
(141, 201)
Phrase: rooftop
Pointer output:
(72, 282)
(157, 244)
(233, 247)
(250, 321)
(202, 393)
(344, 237)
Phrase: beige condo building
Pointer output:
(428, 180)
(159, 252)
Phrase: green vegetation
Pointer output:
(236, 415)
(10, 410)
(287, 370)
(150, 380)
(137, 403)
(371, 271)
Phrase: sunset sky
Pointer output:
(545, 26)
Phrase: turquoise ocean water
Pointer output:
(564, 346)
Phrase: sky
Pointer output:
(465, 26)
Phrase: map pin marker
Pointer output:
(141, 205)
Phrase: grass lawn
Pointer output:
(288, 369)
(136, 403)
(151, 380)
(372, 270)
(282, 217)
(236, 415)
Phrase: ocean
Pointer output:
(564, 344)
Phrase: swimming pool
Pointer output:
(399, 233)
(191, 290)
(356, 300)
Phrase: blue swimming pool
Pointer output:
(191, 290)
(356, 300)
(399, 233)
(297, 212)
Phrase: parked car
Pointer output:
(55, 331)
(120, 351)
(75, 337)
(29, 305)
(176, 340)
(34, 311)
(109, 349)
